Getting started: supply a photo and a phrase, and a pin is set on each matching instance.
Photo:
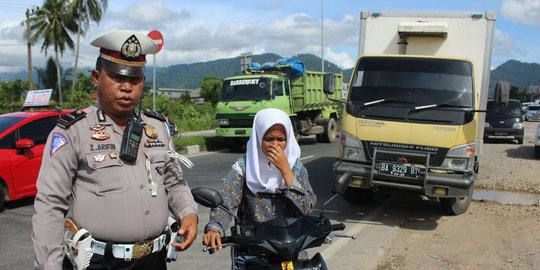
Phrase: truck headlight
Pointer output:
(351, 148)
(517, 125)
(223, 122)
(487, 125)
(460, 158)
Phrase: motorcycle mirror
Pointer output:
(207, 197)
(342, 183)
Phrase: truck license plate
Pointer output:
(402, 170)
(501, 134)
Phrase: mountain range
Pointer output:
(189, 76)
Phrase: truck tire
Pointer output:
(330, 131)
(358, 196)
(456, 206)
(236, 145)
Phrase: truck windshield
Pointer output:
(255, 89)
(444, 85)
(512, 108)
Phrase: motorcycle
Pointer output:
(278, 242)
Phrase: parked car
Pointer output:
(537, 142)
(504, 121)
(22, 139)
(532, 113)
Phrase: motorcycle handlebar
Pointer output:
(225, 241)
(338, 227)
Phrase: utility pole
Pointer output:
(322, 38)
(28, 37)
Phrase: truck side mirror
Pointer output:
(329, 83)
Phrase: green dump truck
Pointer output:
(286, 86)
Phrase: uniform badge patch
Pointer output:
(58, 140)
(99, 158)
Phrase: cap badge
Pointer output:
(131, 48)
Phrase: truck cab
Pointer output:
(285, 86)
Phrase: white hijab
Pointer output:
(260, 177)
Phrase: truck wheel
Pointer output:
(2, 196)
(456, 206)
(520, 140)
(330, 131)
(236, 145)
(358, 196)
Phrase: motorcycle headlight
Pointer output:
(460, 158)
(351, 148)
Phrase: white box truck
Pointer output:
(414, 116)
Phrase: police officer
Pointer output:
(120, 193)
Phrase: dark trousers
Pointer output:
(154, 261)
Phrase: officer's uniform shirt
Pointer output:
(111, 199)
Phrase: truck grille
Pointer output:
(236, 121)
(239, 123)
(403, 153)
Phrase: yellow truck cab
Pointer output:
(412, 120)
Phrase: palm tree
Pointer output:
(47, 75)
(52, 23)
(85, 11)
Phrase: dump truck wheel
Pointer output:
(358, 196)
(236, 145)
(330, 131)
(456, 206)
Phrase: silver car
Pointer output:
(532, 113)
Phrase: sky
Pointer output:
(198, 31)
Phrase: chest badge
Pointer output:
(113, 155)
(100, 135)
(97, 127)
(99, 158)
(150, 131)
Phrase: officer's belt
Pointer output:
(130, 251)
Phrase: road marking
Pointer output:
(338, 243)
(306, 157)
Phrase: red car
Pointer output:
(22, 139)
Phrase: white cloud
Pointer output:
(150, 13)
(522, 11)
(502, 43)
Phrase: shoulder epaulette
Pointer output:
(157, 115)
(66, 120)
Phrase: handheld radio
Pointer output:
(130, 141)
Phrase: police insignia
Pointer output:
(58, 140)
(131, 48)
(150, 131)
(99, 158)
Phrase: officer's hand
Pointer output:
(188, 230)
(212, 239)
